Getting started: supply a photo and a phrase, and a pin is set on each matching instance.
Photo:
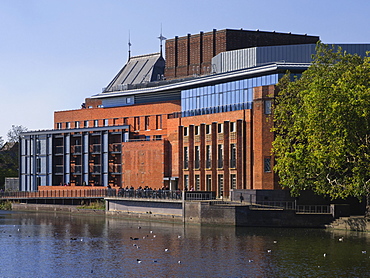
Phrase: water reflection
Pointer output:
(64, 245)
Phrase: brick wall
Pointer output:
(192, 54)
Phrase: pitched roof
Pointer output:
(139, 69)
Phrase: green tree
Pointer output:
(9, 154)
(14, 132)
(322, 126)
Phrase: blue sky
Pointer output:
(55, 53)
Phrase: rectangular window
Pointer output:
(38, 146)
(209, 182)
(125, 121)
(86, 123)
(267, 164)
(220, 154)
(96, 123)
(158, 122)
(220, 182)
(186, 158)
(128, 100)
(232, 127)
(186, 131)
(38, 165)
(197, 157)
(137, 123)
(68, 125)
(220, 128)
(59, 125)
(196, 130)
(233, 181)
(268, 105)
(115, 121)
(208, 129)
(77, 124)
(146, 122)
(208, 156)
(186, 182)
(232, 155)
(105, 122)
(197, 182)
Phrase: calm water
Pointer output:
(61, 245)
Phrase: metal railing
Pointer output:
(314, 209)
(147, 193)
(198, 196)
(67, 193)
(275, 204)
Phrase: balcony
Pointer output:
(95, 169)
(77, 169)
(76, 149)
(59, 169)
(95, 149)
(59, 150)
(115, 148)
(115, 169)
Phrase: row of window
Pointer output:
(220, 129)
(208, 182)
(144, 122)
(208, 153)
(228, 96)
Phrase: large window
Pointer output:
(208, 156)
(220, 153)
(229, 96)
(197, 157)
(186, 158)
(232, 155)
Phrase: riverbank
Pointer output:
(193, 212)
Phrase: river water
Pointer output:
(64, 245)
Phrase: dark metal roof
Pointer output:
(138, 70)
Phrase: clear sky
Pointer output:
(55, 53)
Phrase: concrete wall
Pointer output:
(148, 207)
(206, 213)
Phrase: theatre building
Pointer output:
(199, 119)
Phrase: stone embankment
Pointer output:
(352, 223)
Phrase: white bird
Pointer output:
(166, 250)
(275, 241)
(324, 255)
(151, 232)
(340, 239)
(138, 261)
(251, 261)
(178, 236)
(179, 262)
(363, 252)
(268, 251)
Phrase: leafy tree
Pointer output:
(13, 134)
(9, 154)
(1, 141)
(322, 126)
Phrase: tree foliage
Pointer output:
(14, 132)
(322, 126)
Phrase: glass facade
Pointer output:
(224, 97)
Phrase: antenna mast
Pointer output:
(161, 39)
(129, 45)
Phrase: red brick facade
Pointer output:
(215, 152)
(192, 54)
